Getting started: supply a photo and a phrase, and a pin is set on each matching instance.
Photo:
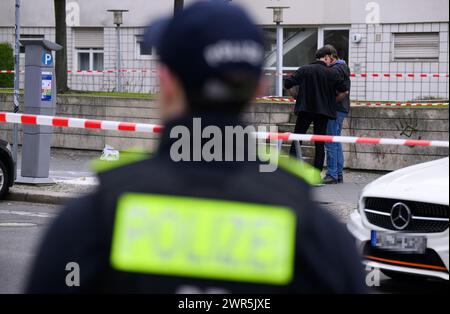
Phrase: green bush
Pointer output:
(6, 63)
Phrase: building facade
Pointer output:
(397, 49)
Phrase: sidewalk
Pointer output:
(71, 171)
(66, 164)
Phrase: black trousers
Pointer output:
(304, 120)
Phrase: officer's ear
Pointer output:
(172, 95)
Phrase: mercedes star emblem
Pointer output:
(400, 216)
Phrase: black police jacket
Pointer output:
(122, 246)
(318, 85)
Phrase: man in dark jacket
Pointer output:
(335, 155)
(316, 101)
(166, 226)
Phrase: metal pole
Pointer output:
(279, 74)
(119, 78)
(16, 85)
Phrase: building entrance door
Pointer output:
(337, 37)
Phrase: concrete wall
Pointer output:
(101, 108)
(405, 123)
(419, 123)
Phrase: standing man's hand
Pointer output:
(293, 92)
(341, 96)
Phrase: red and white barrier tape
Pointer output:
(78, 123)
(369, 104)
(399, 75)
(153, 128)
(115, 71)
(95, 72)
(276, 99)
(349, 139)
(379, 75)
(358, 104)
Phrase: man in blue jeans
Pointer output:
(335, 155)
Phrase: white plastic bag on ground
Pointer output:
(110, 154)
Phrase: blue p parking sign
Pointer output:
(47, 58)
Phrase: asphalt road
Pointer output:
(23, 224)
(21, 228)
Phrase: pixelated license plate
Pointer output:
(399, 242)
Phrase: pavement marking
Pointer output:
(28, 214)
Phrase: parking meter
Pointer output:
(40, 99)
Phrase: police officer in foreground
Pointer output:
(161, 226)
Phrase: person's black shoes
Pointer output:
(329, 180)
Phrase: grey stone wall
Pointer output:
(398, 123)
(405, 123)
(100, 108)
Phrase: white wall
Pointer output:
(372, 56)
(93, 12)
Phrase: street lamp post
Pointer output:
(16, 84)
(118, 20)
(278, 19)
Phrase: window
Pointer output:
(29, 36)
(88, 49)
(416, 46)
(339, 39)
(90, 59)
(299, 48)
(300, 45)
(143, 52)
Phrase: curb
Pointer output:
(47, 197)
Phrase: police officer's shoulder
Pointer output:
(129, 166)
(288, 183)
(124, 158)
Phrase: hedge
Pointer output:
(6, 63)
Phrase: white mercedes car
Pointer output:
(401, 225)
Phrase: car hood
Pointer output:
(427, 182)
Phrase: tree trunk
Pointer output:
(178, 5)
(61, 39)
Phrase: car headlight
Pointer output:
(8, 147)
